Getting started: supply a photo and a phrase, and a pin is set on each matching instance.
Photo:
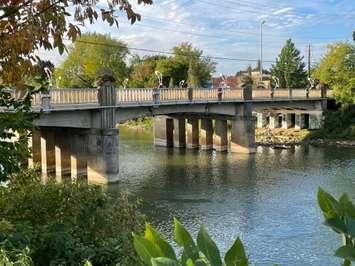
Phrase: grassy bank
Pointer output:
(139, 123)
(338, 128)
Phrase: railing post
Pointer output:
(190, 94)
(46, 101)
(290, 93)
(272, 92)
(220, 94)
(107, 97)
(156, 95)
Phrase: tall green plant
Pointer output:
(154, 250)
(289, 67)
(340, 217)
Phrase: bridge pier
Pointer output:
(274, 121)
(193, 133)
(163, 131)
(102, 165)
(206, 136)
(261, 120)
(287, 121)
(62, 154)
(34, 144)
(47, 152)
(243, 135)
(220, 137)
(179, 133)
(300, 121)
(78, 155)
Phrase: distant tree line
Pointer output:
(93, 52)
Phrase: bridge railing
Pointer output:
(154, 96)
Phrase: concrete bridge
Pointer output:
(77, 132)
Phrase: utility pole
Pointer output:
(309, 60)
(261, 50)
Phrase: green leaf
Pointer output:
(346, 252)
(327, 204)
(346, 207)
(208, 247)
(153, 236)
(145, 249)
(337, 225)
(163, 262)
(200, 262)
(235, 256)
(350, 226)
(184, 239)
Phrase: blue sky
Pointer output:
(231, 28)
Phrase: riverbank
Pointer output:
(289, 137)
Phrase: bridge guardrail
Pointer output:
(130, 96)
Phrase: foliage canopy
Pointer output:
(91, 53)
(337, 69)
(289, 67)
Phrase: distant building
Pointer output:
(234, 82)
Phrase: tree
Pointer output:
(26, 26)
(142, 71)
(91, 53)
(289, 67)
(178, 66)
(337, 69)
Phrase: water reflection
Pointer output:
(269, 198)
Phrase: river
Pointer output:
(268, 199)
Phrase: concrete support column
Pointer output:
(102, 165)
(78, 160)
(206, 136)
(34, 144)
(315, 120)
(62, 153)
(261, 120)
(179, 133)
(300, 121)
(163, 131)
(220, 137)
(274, 121)
(243, 135)
(193, 133)
(287, 121)
(47, 152)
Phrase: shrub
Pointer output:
(340, 217)
(65, 224)
(155, 251)
(337, 125)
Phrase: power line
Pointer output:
(171, 53)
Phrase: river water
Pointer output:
(268, 199)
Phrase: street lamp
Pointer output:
(261, 50)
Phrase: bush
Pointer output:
(65, 224)
(337, 125)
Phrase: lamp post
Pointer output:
(261, 50)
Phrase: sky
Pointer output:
(231, 28)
